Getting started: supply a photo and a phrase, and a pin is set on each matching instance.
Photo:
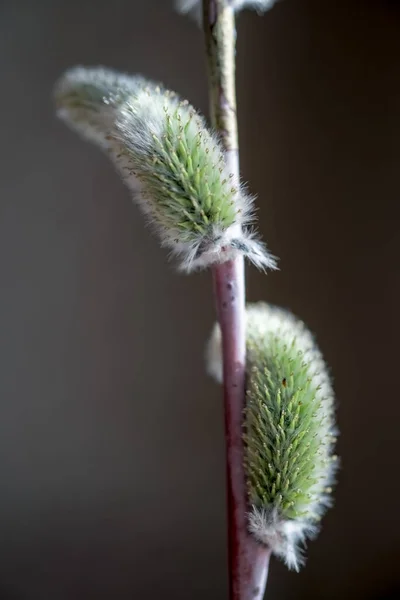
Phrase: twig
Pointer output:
(248, 561)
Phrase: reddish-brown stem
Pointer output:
(248, 560)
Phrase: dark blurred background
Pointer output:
(111, 436)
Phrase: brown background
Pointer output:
(111, 444)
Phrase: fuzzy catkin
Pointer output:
(289, 429)
(172, 163)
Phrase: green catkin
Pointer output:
(288, 429)
(171, 162)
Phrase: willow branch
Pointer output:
(248, 561)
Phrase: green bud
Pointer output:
(174, 166)
(288, 429)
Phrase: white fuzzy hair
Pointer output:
(194, 7)
(88, 100)
(285, 537)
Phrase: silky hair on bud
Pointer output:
(88, 99)
(289, 429)
(173, 165)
